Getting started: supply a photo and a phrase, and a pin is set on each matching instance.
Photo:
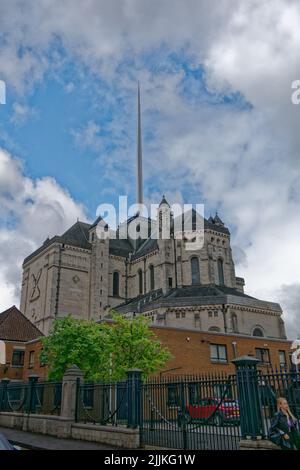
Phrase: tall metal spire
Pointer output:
(139, 152)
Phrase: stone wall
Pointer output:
(64, 428)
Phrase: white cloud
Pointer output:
(88, 136)
(30, 211)
(22, 112)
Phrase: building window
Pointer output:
(258, 332)
(177, 314)
(140, 275)
(116, 284)
(262, 355)
(183, 315)
(210, 314)
(173, 395)
(218, 353)
(160, 222)
(31, 360)
(282, 358)
(152, 282)
(195, 270)
(18, 358)
(221, 272)
(170, 282)
(215, 313)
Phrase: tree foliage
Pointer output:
(81, 342)
(135, 346)
(103, 351)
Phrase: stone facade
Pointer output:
(158, 276)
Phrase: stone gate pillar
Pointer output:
(69, 389)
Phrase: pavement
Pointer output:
(32, 441)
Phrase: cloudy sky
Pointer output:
(218, 122)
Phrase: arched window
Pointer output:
(221, 272)
(140, 274)
(258, 332)
(116, 284)
(195, 270)
(151, 273)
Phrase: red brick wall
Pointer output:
(191, 349)
(7, 370)
(37, 368)
(21, 373)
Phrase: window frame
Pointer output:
(218, 358)
(30, 361)
(20, 362)
(282, 364)
(261, 358)
(116, 284)
(195, 273)
(221, 276)
(152, 277)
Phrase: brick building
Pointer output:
(196, 352)
(193, 352)
(19, 345)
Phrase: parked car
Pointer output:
(4, 444)
(227, 413)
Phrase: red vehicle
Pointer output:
(228, 411)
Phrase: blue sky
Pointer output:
(218, 123)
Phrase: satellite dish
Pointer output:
(2, 352)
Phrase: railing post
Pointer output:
(31, 402)
(134, 382)
(3, 394)
(249, 397)
(71, 380)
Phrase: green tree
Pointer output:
(134, 345)
(102, 351)
(81, 342)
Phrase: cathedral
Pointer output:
(159, 277)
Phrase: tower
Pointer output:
(139, 195)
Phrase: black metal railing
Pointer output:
(275, 384)
(102, 403)
(191, 412)
(31, 397)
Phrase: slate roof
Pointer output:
(210, 294)
(148, 246)
(14, 326)
(78, 235)
(119, 247)
(210, 290)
